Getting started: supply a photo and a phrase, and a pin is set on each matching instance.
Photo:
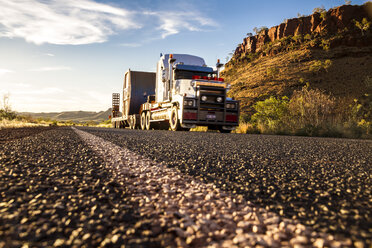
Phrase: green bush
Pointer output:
(318, 66)
(363, 25)
(326, 44)
(8, 115)
(270, 114)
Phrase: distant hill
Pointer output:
(75, 116)
(329, 50)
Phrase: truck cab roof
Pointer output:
(184, 59)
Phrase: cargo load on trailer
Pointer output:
(182, 94)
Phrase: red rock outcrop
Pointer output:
(333, 21)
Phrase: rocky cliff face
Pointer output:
(331, 22)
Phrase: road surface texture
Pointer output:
(107, 187)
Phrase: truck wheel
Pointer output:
(143, 120)
(132, 122)
(148, 118)
(174, 122)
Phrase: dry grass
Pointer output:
(199, 129)
(4, 123)
(246, 128)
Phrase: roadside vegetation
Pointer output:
(310, 112)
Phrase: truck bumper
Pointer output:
(227, 119)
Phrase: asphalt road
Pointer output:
(51, 182)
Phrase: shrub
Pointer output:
(270, 114)
(311, 110)
(325, 45)
(307, 37)
(363, 25)
(318, 66)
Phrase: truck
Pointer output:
(183, 93)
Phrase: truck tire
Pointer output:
(148, 118)
(143, 120)
(174, 121)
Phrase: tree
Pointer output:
(6, 110)
(347, 2)
(319, 10)
(5, 104)
(362, 25)
(259, 30)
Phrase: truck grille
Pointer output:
(209, 108)
(211, 94)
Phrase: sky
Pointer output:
(69, 55)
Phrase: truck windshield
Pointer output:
(183, 74)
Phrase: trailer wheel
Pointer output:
(143, 120)
(132, 122)
(148, 118)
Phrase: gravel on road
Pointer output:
(159, 188)
(322, 183)
(7, 134)
(199, 214)
(56, 192)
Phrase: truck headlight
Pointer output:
(189, 103)
(204, 98)
(231, 105)
(219, 99)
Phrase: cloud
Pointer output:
(171, 23)
(5, 71)
(49, 54)
(131, 44)
(62, 22)
(72, 22)
(55, 68)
